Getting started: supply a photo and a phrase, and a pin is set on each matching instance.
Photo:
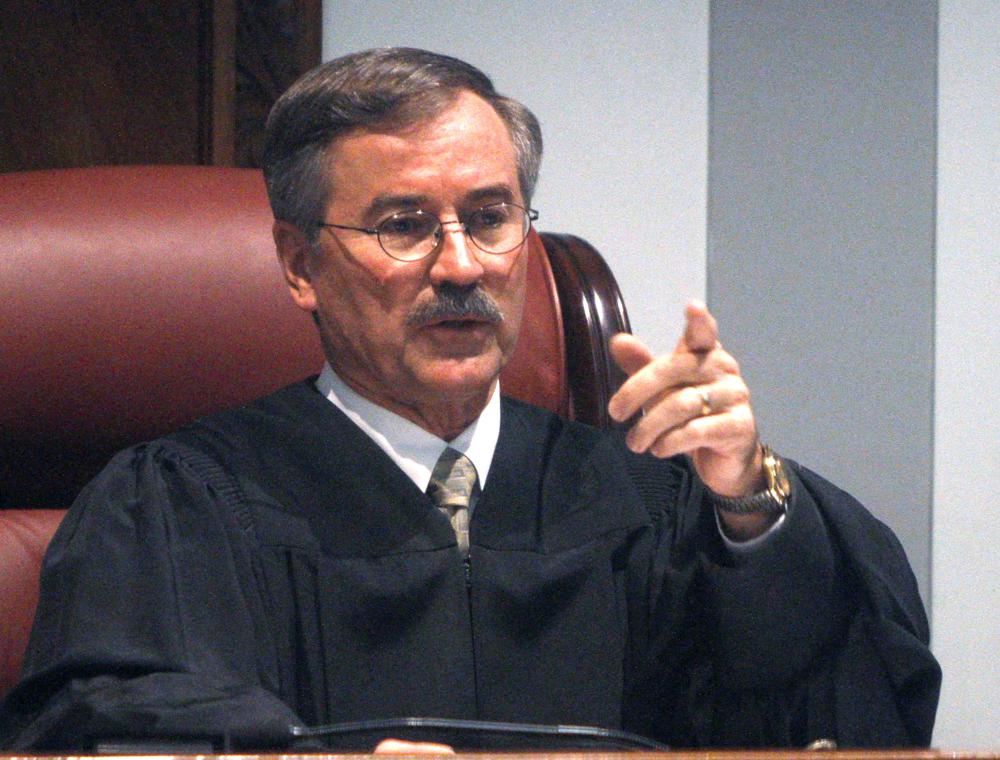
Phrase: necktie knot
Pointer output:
(450, 488)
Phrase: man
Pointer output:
(393, 538)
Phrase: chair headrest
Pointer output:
(135, 299)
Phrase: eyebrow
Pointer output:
(383, 204)
(390, 202)
(497, 193)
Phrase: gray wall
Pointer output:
(821, 237)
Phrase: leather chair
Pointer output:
(135, 299)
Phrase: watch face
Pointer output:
(784, 487)
(777, 480)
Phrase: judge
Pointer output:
(395, 537)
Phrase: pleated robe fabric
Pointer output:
(270, 566)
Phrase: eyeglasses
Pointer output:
(413, 235)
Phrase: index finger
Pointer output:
(701, 333)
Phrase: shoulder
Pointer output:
(563, 443)
(286, 409)
(199, 464)
(294, 427)
(138, 499)
(531, 418)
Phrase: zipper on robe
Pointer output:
(467, 568)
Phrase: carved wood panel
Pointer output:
(146, 81)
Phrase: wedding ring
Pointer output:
(706, 402)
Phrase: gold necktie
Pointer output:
(451, 486)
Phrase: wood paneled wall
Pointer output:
(146, 81)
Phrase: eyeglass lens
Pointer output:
(410, 235)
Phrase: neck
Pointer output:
(445, 418)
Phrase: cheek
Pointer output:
(367, 292)
(354, 312)
(512, 302)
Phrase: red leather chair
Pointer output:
(134, 299)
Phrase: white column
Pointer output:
(966, 536)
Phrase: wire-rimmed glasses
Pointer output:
(413, 235)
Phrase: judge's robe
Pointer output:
(270, 566)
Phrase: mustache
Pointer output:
(451, 302)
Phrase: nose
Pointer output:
(456, 260)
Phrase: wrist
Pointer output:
(767, 494)
(752, 480)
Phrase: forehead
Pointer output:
(463, 149)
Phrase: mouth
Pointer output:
(459, 336)
(459, 325)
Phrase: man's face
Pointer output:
(366, 301)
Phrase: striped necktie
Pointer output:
(451, 486)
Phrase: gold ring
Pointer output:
(706, 402)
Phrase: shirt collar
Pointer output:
(411, 447)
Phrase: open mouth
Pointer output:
(458, 331)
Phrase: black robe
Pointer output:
(271, 566)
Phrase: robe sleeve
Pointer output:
(818, 633)
(174, 652)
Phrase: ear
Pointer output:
(294, 252)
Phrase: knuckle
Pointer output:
(736, 389)
(716, 369)
(727, 362)
(691, 405)
(662, 370)
(741, 395)
(743, 424)
(665, 445)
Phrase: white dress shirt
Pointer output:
(411, 447)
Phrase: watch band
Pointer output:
(772, 500)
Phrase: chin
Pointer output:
(460, 377)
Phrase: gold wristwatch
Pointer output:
(769, 501)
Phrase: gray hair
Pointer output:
(385, 88)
